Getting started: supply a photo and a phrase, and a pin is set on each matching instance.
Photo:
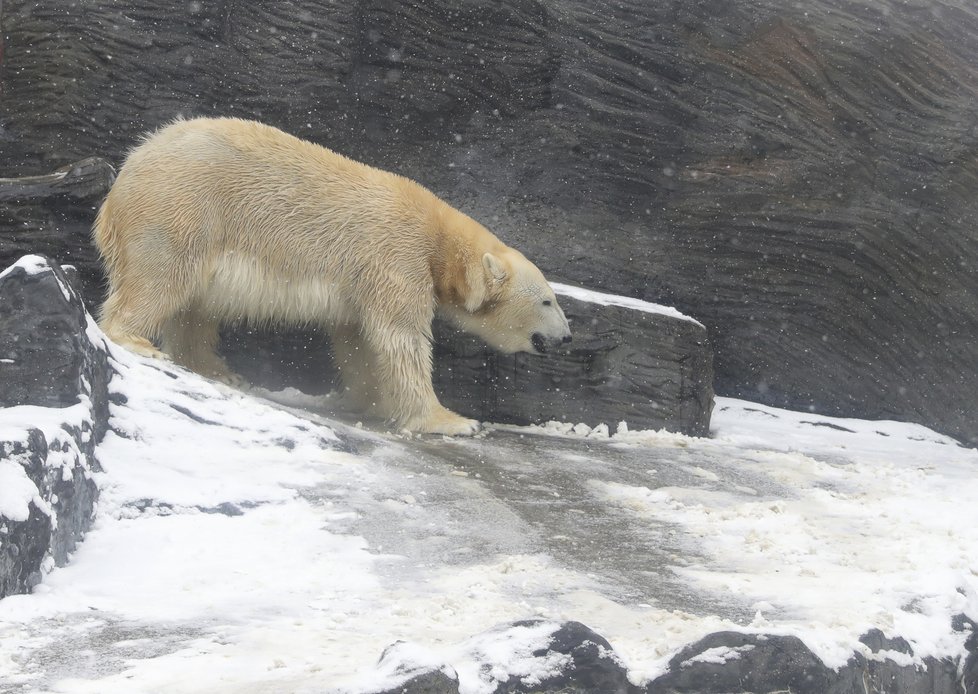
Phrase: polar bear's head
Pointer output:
(510, 305)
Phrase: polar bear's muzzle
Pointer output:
(542, 345)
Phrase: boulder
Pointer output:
(884, 670)
(730, 662)
(399, 664)
(630, 361)
(799, 177)
(735, 663)
(55, 376)
(528, 656)
(591, 664)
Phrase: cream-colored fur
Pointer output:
(223, 220)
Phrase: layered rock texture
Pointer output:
(798, 177)
(55, 377)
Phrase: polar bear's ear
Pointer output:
(494, 267)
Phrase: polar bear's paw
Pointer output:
(446, 422)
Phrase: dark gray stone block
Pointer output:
(748, 663)
(627, 362)
(429, 682)
(83, 179)
(48, 358)
(881, 673)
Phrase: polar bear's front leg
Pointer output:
(403, 372)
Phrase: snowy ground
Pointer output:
(239, 548)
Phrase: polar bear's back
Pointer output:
(268, 225)
(257, 178)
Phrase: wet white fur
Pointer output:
(221, 220)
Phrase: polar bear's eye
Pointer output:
(546, 302)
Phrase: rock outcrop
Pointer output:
(54, 376)
(630, 361)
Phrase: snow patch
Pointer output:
(17, 491)
(718, 655)
(593, 297)
(31, 264)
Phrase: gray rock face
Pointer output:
(48, 361)
(626, 363)
(798, 177)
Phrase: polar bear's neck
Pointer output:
(456, 264)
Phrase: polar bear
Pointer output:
(216, 220)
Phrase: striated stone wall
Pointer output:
(797, 177)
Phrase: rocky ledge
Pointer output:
(54, 374)
(631, 360)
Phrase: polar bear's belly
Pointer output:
(243, 289)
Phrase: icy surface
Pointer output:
(239, 548)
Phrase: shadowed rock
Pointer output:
(83, 179)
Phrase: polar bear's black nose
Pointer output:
(567, 338)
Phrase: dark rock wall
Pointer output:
(797, 176)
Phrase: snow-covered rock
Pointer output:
(53, 384)
(528, 656)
